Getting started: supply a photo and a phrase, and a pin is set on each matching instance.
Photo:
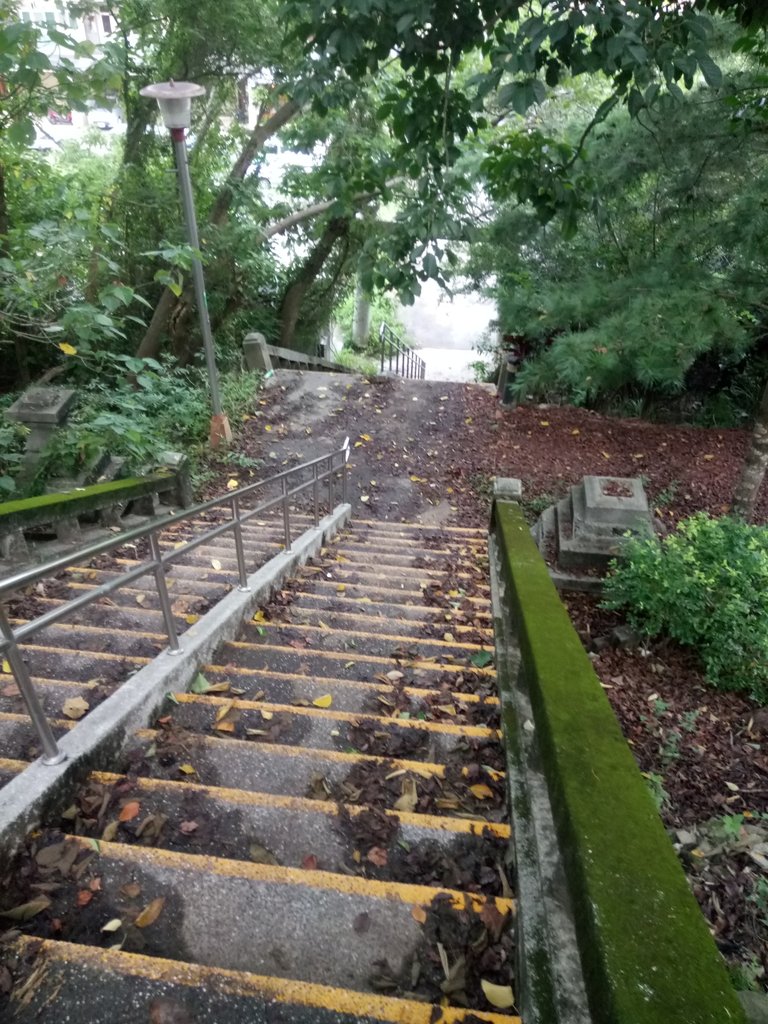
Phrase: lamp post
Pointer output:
(175, 102)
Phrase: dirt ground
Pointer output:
(427, 451)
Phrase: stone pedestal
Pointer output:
(256, 352)
(43, 410)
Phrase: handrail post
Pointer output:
(162, 594)
(238, 531)
(52, 755)
(286, 515)
(382, 333)
(344, 480)
(330, 485)
(316, 494)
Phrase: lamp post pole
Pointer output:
(174, 100)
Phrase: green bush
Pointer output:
(706, 586)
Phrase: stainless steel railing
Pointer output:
(322, 469)
(401, 358)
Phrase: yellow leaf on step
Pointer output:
(224, 710)
(419, 914)
(267, 715)
(341, 587)
(141, 598)
(500, 996)
(260, 616)
(150, 913)
(225, 727)
(453, 593)
(233, 484)
(365, 437)
(6, 666)
(448, 637)
(187, 769)
(75, 707)
(323, 702)
(268, 428)
(321, 624)
(481, 791)
(358, 444)
(191, 619)
(215, 563)
(576, 432)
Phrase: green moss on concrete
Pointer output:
(647, 953)
(47, 508)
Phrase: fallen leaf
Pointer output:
(110, 832)
(500, 996)
(26, 911)
(341, 587)
(310, 862)
(130, 811)
(150, 913)
(199, 684)
(419, 914)
(187, 769)
(365, 498)
(323, 702)
(75, 707)
(141, 598)
(67, 349)
(233, 484)
(191, 619)
(215, 563)
(6, 666)
(113, 925)
(365, 437)
(188, 827)
(261, 855)
(260, 616)
(131, 890)
(410, 796)
(377, 856)
(362, 923)
(481, 791)
(481, 659)
(224, 710)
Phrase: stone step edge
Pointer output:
(425, 769)
(304, 805)
(311, 996)
(331, 715)
(278, 875)
(366, 634)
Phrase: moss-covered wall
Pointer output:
(48, 508)
(646, 950)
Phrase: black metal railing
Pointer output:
(399, 357)
(317, 471)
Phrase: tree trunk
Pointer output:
(362, 320)
(4, 218)
(152, 341)
(290, 307)
(257, 138)
(755, 465)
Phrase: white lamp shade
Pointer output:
(174, 100)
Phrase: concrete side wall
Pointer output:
(646, 953)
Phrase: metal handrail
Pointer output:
(407, 363)
(156, 564)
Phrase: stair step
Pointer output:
(348, 694)
(319, 728)
(115, 986)
(334, 638)
(291, 829)
(365, 606)
(60, 663)
(339, 663)
(416, 628)
(395, 593)
(300, 771)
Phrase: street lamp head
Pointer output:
(174, 100)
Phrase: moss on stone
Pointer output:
(647, 953)
(47, 508)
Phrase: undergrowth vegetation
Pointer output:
(706, 586)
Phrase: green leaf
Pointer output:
(713, 76)
(200, 684)
(481, 659)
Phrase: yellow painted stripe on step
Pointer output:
(273, 874)
(475, 531)
(72, 627)
(58, 723)
(423, 768)
(402, 572)
(422, 609)
(443, 623)
(391, 568)
(320, 581)
(386, 1009)
(418, 663)
(8, 764)
(99, 655)
(326, 681)
(330, 630)
(447, 728)
(77, 584)
(299, 804)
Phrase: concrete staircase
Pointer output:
(316, 830)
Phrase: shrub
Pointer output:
(706, 586)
